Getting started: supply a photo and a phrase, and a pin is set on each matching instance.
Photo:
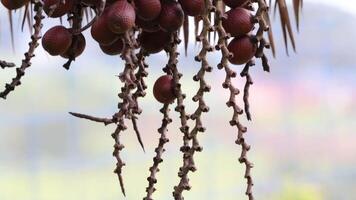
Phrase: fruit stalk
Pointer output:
(26, 63)
(188, 158)
(154, 169)
(184, 117)
(234, 91)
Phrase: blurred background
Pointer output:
(302, 133)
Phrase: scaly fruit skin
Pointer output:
(193, 7)
(121, 17)
(163, 89)
(239, 22)
(243, 49)
(154, 42)
(148, 26)
(76, 50)
(148, 9)
(61, 10)
(235, 3)
(57, 40)
(100, 30)
(14, 4)
(172, 16)
(113, 49)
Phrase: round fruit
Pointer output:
(243, 49)
(148, 9)
(148, 26)
(172, 16)
(100, 31)
(238, 22)
(14, 4)
(57, 40)
(113, 49)
(77, 47)
(163, 89)
(121, 16)
(235, 3)
(60, 10)
(154, 42)
(193, 7)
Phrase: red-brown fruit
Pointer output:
(148, 9)
(100, 31)
(243, 49)
(14, 4)
(235, 3)
(163, 89)
(121, 17)
(148, 26)
(193, 7)
(61, 10)
(154, 42)
(57, 40)
(77, 47)
(113, 49)
(238, 22)
(172, 16)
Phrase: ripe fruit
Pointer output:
(148, 26)
(154, 42)
(113, 49)
(193, 7)
(100, 31)
(235, 3)
(61, 10)
(14, 4)
(172, 16)
(148, 9)
(57, 40)
(121, 16)
(163, 89)
(77, 47)
(242, 49)
(238, 22)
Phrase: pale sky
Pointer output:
(346, 5)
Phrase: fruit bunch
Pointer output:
(135, 29)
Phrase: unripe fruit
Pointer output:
(121, 17)
(238, 22)
(113, 49)
(100, 31)
(148, 9)
(154, 42)
(235, 3)
(60, 10)
(148, 26)
(77, 47)
(14, 4)
(172, 16)
(193, 7)
(243, 49)
(163, 89)
(57, 40)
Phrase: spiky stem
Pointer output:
(234, 91)
(188, 157)
(26, 63)
(154, 169)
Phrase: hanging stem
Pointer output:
(234, 91)
(188, 157)
(154, 169)
(26, 63)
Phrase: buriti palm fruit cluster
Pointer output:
(235, 30)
